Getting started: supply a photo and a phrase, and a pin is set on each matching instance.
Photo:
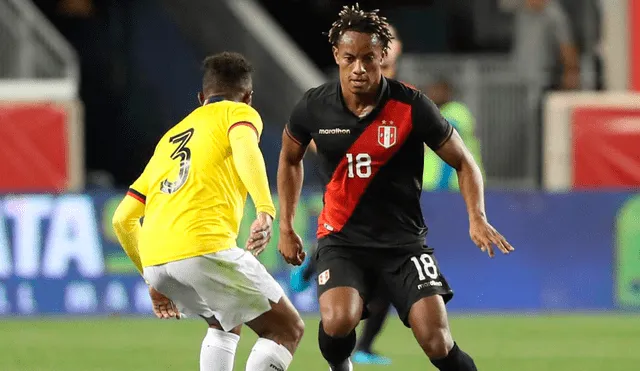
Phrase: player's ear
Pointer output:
(248, 98)
(335, 54)
(201, 97)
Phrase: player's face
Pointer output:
(359, 56)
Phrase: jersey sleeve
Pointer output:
(126, 225)
(245, 115)
(140, 187)
(251, 168)
(298, 126)
(433, 129)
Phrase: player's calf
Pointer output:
(428, 320)
(435, 342)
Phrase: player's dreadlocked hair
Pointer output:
(226, 72)
(352, 18)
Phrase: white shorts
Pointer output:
(231, 285)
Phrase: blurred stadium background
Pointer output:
(88, 86)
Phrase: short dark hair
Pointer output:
(352, 18)
(226, 72)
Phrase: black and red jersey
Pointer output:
(371, 166)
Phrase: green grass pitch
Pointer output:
(598, 342)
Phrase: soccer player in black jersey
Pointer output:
(370, 133)
(379, 305)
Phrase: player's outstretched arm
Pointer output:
(456, 154)
(290, 177)
(126, 224)
(249, 164)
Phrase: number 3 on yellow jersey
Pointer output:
(183, 153)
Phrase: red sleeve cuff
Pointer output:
(290, 135)
(243, 123)
(137, 195)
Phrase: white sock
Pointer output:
(267, 355)
(218, 350)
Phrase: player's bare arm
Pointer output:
(290, 177)
(456, 154)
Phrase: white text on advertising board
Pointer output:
(44, 236)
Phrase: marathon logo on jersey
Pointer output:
(387, 134)
(429, 284)
(334, 131)
(323, 277)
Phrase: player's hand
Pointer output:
(290, 246)
(163, 307)
(485, 237)
(260, 234)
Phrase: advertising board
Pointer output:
(574, 251)
(42, 146)
(605, 147)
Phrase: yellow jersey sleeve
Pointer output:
(140, 188)
(126, 219)
(244, 115)
(126, 225)
(244, 133)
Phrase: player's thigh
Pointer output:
(342, 289)
(411, 277)
(233, 283)
(184, 296)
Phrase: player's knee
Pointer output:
(291, 333)
(287, 334)
(339, 322)
(296, 330)
(436, 343)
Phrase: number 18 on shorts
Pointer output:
(427, 269)
(419, 277)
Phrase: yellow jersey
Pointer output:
(191, 188)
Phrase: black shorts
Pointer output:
(406, 275)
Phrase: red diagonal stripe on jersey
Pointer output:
(343, 193)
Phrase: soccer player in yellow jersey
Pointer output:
(192, 195)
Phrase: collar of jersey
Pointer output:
(213, 99)
(381, 96)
